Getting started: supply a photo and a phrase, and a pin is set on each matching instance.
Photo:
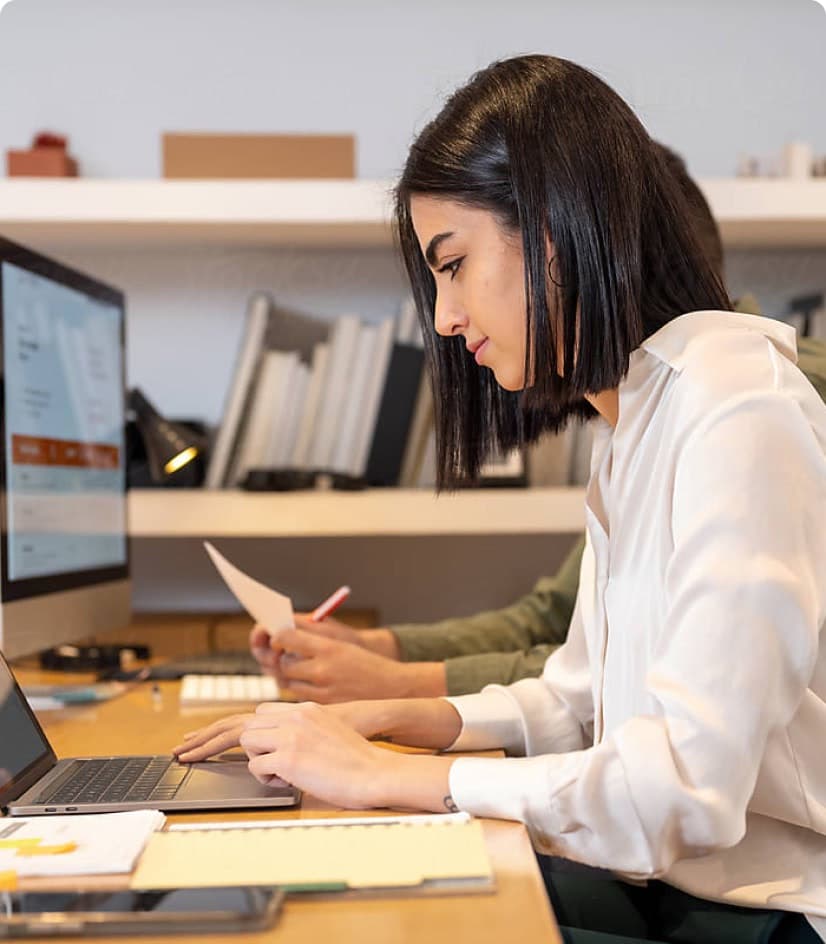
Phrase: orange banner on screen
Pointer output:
(39, 450)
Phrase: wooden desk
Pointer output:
(140, 722)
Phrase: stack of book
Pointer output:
(342, 397)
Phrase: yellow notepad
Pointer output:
(439, 853)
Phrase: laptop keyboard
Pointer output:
(119, 780)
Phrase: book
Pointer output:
(343, 344)
(426, 477)
(420, 426)
(271, 390)
(252, 344)
(289, 330)
(352, 413)
(408, 331)
(300, 457)
(437, 853)
(372, 397)
(395, 414)
(284, 433)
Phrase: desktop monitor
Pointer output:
(64, 560)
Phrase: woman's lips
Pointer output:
(477, 354)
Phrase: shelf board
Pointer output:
(134, 213)
(327, 213)
(755, 213)
(196, 513)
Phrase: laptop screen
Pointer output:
(23, 743)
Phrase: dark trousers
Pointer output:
(592, 907)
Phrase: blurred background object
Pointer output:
(47, 157)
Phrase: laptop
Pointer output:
(34, 782)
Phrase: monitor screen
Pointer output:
(64, 476)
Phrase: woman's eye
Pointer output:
(452, 267)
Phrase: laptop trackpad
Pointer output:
(219, 780)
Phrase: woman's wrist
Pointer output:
(420, 722)
(410, 781)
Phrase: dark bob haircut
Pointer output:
(552, 151)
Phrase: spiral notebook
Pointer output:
(436, 854)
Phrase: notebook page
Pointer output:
(397, 855)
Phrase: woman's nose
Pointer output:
(448, 318)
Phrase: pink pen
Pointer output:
(330, 605)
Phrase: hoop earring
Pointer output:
(550, 273)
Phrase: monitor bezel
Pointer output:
(26, 588)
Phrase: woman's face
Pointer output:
(480, 283)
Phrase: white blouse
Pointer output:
(680, 732)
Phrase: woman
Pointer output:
(677, 734)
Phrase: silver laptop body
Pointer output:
(34, 782)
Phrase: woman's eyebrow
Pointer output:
(433, 245)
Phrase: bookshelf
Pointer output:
(495, 541)
(329, 213)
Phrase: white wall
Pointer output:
(711, 78)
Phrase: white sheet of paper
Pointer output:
(264, 605)
(106, 842)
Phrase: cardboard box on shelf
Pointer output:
(47, 157)
(258, 156)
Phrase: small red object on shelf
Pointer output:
(47, 157)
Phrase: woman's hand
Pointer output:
(313, 749)
(417, 722)
(223, 735)
(214, 739)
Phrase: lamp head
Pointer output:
(169, 446)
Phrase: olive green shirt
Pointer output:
(506, 645)
(499, 645)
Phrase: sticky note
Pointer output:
(58, 849)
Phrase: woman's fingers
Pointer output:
(217, 745)
(212, 739)
(266, 766)
(259, 740)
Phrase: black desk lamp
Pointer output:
(169, 446)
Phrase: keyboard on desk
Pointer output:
(117, 780)
(227, 689)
